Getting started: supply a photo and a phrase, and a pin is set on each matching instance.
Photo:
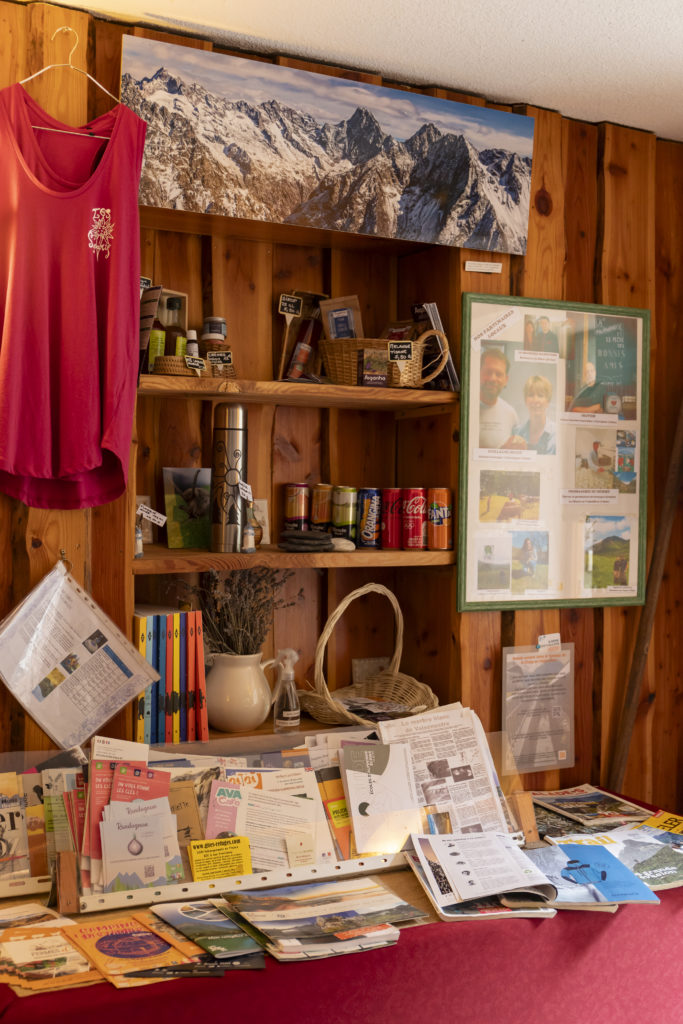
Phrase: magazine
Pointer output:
(639, 847)
(468, 867)
(208, 927)
(325, 918)
(590, 806)
(486, 908)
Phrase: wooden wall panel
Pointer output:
(626, 278)
(667, 720)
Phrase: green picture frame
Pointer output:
(553, 454)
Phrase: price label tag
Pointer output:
(151, 514)
(220, 358)
(400, 351)
(290, 305)
(245, 490)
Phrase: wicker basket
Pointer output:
(175, 366)
(341, 360)
(387, 685)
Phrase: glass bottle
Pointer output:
(157, 342)
(252, 521)
(286, 707)
(176, 342)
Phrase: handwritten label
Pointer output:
(290, 305)
(400, 351)
(245, 490)
(219, 358)
(194, 363)
(149, 513)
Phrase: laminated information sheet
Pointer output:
(66, 662)
(538, 708)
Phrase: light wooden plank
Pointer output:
(626, 278)
(241, 284)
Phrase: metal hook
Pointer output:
(67, 28)
(62, 553)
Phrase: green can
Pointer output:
(344, 506)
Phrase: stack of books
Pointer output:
(173, 709)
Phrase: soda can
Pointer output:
(439, 519)
(414, 518)
(344, 503)
(369, 517)
(321, 508)
(296, 506)
(391, 518)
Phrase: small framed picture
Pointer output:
(187, 493)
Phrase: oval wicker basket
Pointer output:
(341, 360)
(387, 685)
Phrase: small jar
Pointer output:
(216, 325)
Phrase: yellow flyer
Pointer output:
(219, 858)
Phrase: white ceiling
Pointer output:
(596, 60)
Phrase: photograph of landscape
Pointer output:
(242, 138)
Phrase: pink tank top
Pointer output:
(69, 303)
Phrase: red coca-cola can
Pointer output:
(390, 537)
(414, 518)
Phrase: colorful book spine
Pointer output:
(149, 692)
(182, 674)
(140, 641)
(175, 693)
(161, 685)
(191, 676)
(168, 702)
(201, 714)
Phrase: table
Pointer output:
(576, 968)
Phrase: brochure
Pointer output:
(66, 662)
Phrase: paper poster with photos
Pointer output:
(553, 453)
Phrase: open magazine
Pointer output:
(470, 867)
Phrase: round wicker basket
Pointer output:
(387, 685)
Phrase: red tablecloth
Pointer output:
(576, 968)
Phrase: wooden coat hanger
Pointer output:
(68, 64)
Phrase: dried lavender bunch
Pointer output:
(237, 607)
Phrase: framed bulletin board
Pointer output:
(553, 454)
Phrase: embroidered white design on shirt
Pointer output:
(102, 231)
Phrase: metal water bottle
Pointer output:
(229, 467)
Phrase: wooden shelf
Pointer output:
(282, 392)
(160, 560)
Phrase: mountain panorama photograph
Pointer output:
(243, 138)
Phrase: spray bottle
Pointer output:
(286, 713)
